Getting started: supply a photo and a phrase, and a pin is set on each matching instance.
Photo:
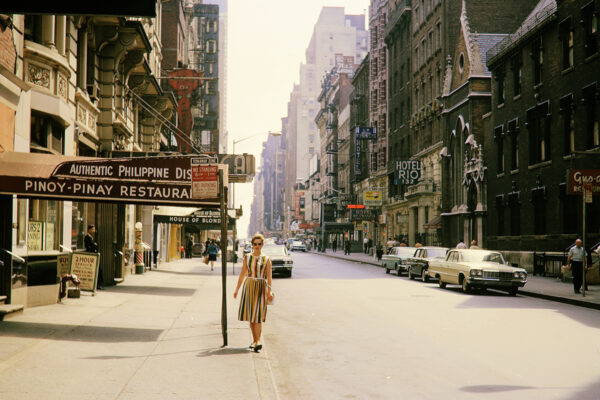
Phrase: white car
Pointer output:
(298, 245)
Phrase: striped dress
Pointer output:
(253, 303)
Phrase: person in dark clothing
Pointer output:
(379, 252)
(212, 251)
(91, 246)
(206, 247)
(334, 245)
(188, 247)
(347, 247)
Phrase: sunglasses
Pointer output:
(257, 244)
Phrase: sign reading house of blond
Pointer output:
(205, 219)
(577, 178)
(85, 266)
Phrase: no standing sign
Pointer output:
(205, 179)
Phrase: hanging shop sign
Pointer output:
(578, 178)
(365, 133)
(157, 180)
(372, 198)
(408, 172)
(365, 214)
(204, 219)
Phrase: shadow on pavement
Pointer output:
(152, 290)
(588, 393)
(494, 388)
(224, 351)
(76, 333)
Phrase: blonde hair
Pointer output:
(258, 236)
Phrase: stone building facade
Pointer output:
(545, 119)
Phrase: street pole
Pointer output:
(223, 190)
(584, 239)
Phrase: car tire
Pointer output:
(466, 288)
(513, 291)
(424, 276)
(397, 270)
(410, 274)
(387, 270)
(441, 283)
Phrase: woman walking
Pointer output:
(256, 291)
(212, 251)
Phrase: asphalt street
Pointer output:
(348, 330)
(338, 330)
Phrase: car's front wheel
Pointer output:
(424, 275)
(387, 270)
(513, 291)
(466, 288)
(441, 283)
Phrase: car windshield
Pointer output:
(431, 253)
(274, 250)
(405, 251)
(475, 256)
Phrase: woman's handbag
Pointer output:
(205, 259)
(270, 302)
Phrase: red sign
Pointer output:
(356, 206)
(577, 178)
(184, 90)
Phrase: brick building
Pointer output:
(545, 118)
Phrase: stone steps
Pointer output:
(10, 310)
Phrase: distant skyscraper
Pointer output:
(334, 33)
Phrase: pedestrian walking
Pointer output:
(474, 244)
(379, 251)
(212, 251)
(188, 246)
(256, 274)
(366, 244)
(334, 245)
(91, 246)
(347, 247)
(461, 245)
(576, 261)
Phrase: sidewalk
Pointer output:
(154, 336)
(542, 287)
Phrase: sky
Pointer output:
(267, 40)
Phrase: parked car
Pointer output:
(397, 258)
(481, 269)
(197, 249)
(418, 265)
(281, 261)
(298, 245)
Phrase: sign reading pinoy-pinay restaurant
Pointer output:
(154, 180)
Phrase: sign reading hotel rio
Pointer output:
(577, 178)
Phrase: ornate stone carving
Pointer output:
(38, 75)
(62, 87)
(81, 114)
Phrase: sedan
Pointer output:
(281, 261)
(480, 269)
(298, 245)
(397, 259)
(419, 264)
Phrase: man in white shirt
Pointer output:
(576, 262)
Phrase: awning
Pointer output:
(435, 223)
(152, 180)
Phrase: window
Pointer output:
(47, 135)
(211, 46)
(513, 131)
(590, 26)
(499, 139)
(430, 44)
(539, 210)
(568, 119)
(566, 36)
(500, 215)
(417, 17)
(439, 35)
(538, 124)
(517, 70)
(500, 86)
(537, 52)
(570, 208)
(515, 214)
(592, 134)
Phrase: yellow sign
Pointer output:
(372, 198)
(35, 235)
(64, 264)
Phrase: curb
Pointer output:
(558, 299)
